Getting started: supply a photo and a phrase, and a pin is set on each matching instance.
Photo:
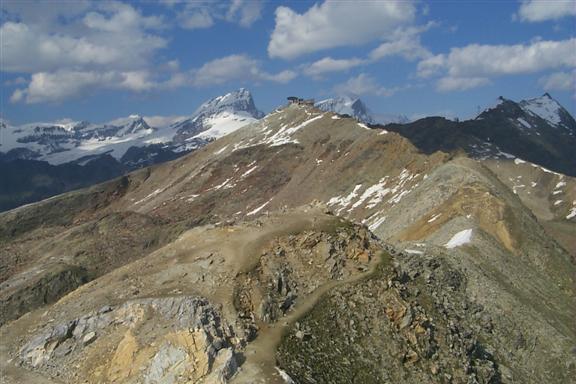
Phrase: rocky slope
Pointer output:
(317, 249)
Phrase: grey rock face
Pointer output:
(198, 339)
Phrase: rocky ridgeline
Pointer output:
(410, 322)
(291, 268)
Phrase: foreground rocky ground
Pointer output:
(191, 310)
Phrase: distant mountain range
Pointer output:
(39, 160)
(79, 142)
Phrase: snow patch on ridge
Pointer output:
(459, 239)
(255, 211)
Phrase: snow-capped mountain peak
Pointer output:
(346, 105)
(531, 116)
(131, 125)
(67, 140)
(218, 117)
(239, 101)
(544, 107)
(353, 106)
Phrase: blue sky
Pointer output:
(98, 60)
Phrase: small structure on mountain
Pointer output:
(299, 101)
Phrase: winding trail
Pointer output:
(222, 254)
(260, 363)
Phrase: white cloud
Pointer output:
(119, 17)
(195, 17)
(404, 42)
(17, 81)
(79, 47)
(162, 121)
(113, 36)
(363, 84)
(559, 81)
(409, 49)
(474, 65)
(234, 68)
(204, 13)
(138, 81)
(540, 10)
(336, 24)
(172, 65)
(245, 11)
(60, 85)
(328, 64)
(17, 96)
(282, 77)
(447, 84)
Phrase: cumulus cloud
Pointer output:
(447, 84)
(92, 46)
(474, 65)
(119, 17)
(363, 84)
(404, 42)
(17, 96)
(78, 47)
(115, 36)
(540, 10)
(60, 85)
(246, 12)
(328, 64)
(336, 24)
(204, 13)
(234, 68)
(17, 81)
(196, 16)
(559, 81)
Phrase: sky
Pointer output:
(100, 60)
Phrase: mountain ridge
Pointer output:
(508, 129)
(68, 140)
(327, 249)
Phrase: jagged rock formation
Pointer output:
(198, 344)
